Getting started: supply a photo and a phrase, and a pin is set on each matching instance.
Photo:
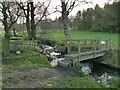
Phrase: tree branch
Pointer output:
(44, 14)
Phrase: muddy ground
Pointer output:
(34, 78)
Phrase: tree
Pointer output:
(98, 19)
(10, 15)
(111, 19)
(33, 11)
(25, 6)
(87, 17)
(78, 20)
(67, 6)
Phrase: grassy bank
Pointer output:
(28, 59)
(111, 58)
(75, 81)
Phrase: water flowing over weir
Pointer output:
(53, 54)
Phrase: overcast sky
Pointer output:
(54, 3)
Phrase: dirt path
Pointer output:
(34, 78)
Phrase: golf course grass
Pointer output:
(59, 35)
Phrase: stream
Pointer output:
(96, 70)
(100, 72)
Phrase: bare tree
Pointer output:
(31, 11)
(10, 15)
(25, 7)
(67, 6)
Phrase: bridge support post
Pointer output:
(106, 45)
(110, 43)
(68, 46)
(95, 43)
(78, 50)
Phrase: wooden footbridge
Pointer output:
(87, 49)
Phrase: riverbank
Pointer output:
(31, 69)
(111, 58)
(28, 67)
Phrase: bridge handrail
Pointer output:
(96, 42)
(80, 39)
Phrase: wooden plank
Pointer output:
(84, 53)
(91, 56)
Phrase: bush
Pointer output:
(46, 41)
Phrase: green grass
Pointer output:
(1, 32)
(27, 60)
(114, 83)
(59, 35)
(75, 81)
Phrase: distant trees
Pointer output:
(99, 19)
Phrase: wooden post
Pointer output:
(110, 43)
(95, 43)
(106, 45)
(68, 46)
(79, 50)
(85, 45)
(98, 45)
(29, 43)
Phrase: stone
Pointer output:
(49, 85)
(86, 69)
(18, 52)
(103, 42)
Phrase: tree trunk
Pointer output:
(65, 21)
(14, 33)
(6, 44)
(33, 26)
(6, 40)
(65, 14)
(66, 30)
(28, 22)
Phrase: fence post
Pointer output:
(79, 50)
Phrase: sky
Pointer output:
(55, 3)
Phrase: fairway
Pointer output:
(59, 35)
